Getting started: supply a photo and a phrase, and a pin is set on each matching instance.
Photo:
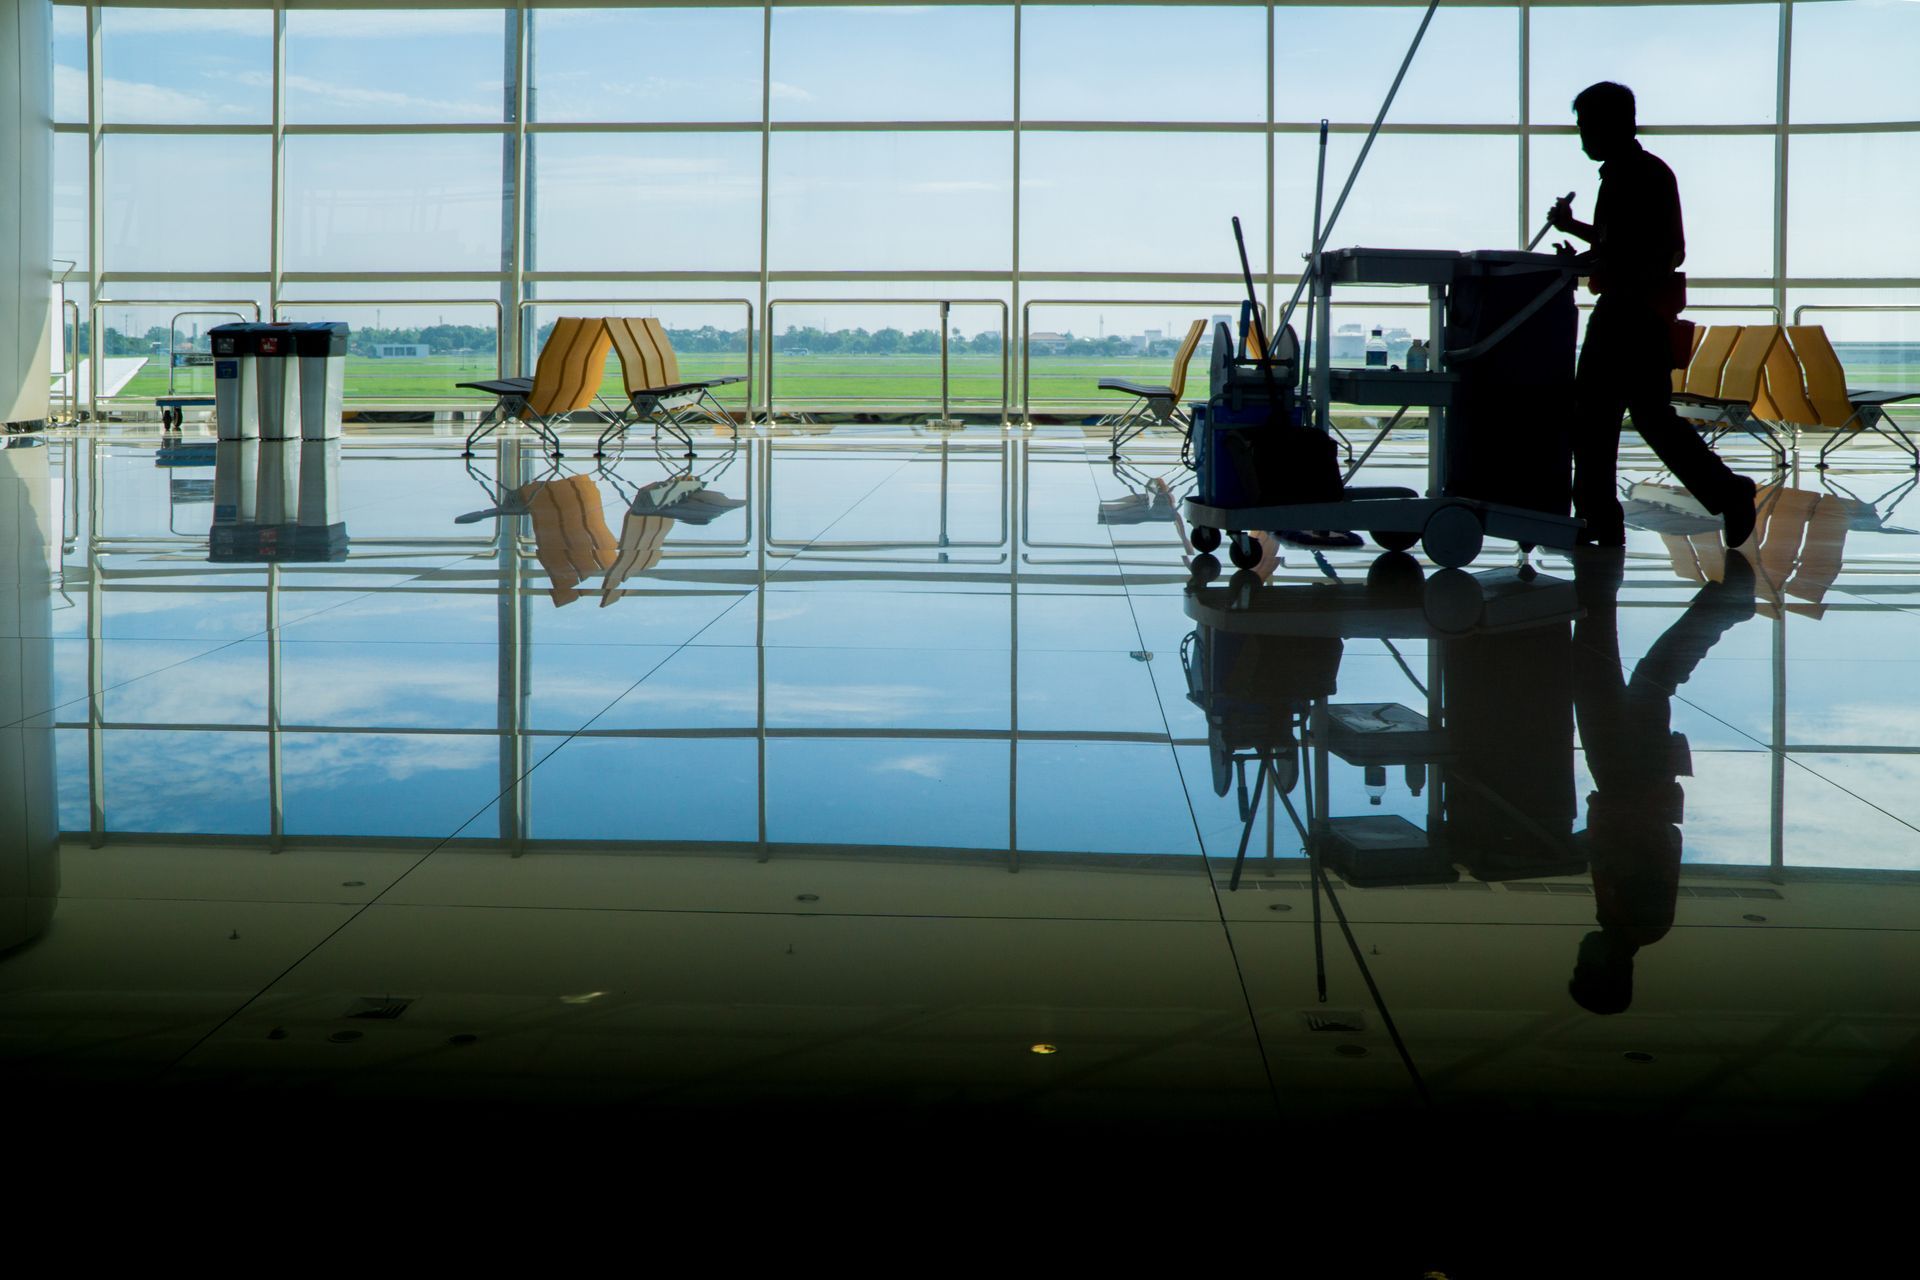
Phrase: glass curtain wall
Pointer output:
(451, 179)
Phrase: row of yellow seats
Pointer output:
(1789, 374)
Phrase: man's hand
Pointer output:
(1560, 217)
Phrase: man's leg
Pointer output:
(1598, 403)
(1681, 449)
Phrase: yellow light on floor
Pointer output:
(1044, 1049)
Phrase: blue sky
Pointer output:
(1114, 202)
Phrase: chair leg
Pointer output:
(1835, 442)
(1882, 422)
(1129, 424)
(489, 423)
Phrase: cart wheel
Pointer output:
(1205, 538)
(1393, 540)
(1452, 537)
(1204, 570)
(1244, 551)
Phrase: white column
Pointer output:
(29, 810)
(26, 208)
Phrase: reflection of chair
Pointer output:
(655, 391)
(566, 380)
(1798, 549)
(1845, 411)
(642, 538)
(1151, 500)
(1153, 405)
(1739, 402)
(570, 533)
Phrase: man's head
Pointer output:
(1606, 117)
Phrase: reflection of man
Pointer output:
(1634, 813)
(1638, 244)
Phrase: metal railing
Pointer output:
(499, 321)
(943, 306)
(1800, 311)
(528, 304)
(96, 345)
(69, 352)
(174, 353)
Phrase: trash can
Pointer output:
(277, 375)
(1508, 435)
(236, 406)
(322, 351)
(320, 534)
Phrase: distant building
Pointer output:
(400, 350)
(1048, 344)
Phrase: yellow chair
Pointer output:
(1153, 405)
(565, 381)
(1845, 411)
(1710, 359)
(656, 392)
(1680, 375)
(1740, 401)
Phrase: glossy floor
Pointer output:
(883, 768)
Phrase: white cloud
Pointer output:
(401, 105)
(920, 766)
(245, 22)
(950, 186)
(136, 102)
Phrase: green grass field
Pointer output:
(827, 381)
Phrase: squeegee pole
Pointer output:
(1313, 273)
(1320, 241)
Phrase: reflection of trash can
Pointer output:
(236, 407)
(235, 472)
(279, 497)
(322, 349)
(277, 374)
(320, 534)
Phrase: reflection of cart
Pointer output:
(1262, 664)
(185, 490)
(1498, 459)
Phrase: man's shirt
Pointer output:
(1639, 239)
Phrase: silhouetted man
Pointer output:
(1633, 816)
(1629, 355)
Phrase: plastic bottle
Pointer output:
(1417, 356)
(1376, 783)
(1377, 349)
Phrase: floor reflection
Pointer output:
(885, 759)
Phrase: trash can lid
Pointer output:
(321, 338)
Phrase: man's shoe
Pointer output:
(1739, 512)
